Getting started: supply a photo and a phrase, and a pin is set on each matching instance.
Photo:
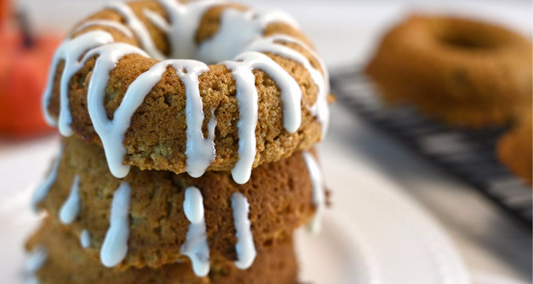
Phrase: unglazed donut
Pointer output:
(110, 84)
(280, 198)
(465, 73)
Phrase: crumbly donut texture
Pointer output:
(463, 72)
(67, 263)
(279, 194)
(515, 148)
(156, 138)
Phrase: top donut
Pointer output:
(135, 79)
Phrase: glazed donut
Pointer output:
(280, 197)
(111, 84)
(465, 73)
(515, 148)
(67, 263)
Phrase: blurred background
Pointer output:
(357, 24)
(346, 34)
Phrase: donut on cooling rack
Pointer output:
(263, 97)
(463, 72)
(515, 148)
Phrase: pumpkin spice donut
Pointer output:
(263, 97)
(463, 72)
(515, 148)
(154, 213)
(58, 258)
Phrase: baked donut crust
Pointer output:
(67, 263)
(515, 148)
(157, 136)
(280, 196)
(463, 72)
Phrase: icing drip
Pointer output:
(237, 30)
(245, 247)
(40, 194)
(157, 20)
(115, 246)
(184, 22)
(291, 94)
(70, 51)
(85, 239)
(271, 44)
(36, 260)
(247, 102)
(138, 28)
(35, 263)
(195, 246)
(106, 23)
(200, 151)
(319, 194)
(71, 208)
(111, 132)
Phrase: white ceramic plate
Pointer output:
(392, 242)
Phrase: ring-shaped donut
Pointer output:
(463, 72)
(111, 84)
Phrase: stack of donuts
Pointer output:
(190, 170)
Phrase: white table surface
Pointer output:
(345, 32)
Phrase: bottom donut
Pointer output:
(58, 258)
(83, 195)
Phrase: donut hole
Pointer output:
(462, 35)
(462, 42)
(466, 41)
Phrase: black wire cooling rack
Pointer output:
(466, 154)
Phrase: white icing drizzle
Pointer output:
(156, 19)
(245, 247)
(200, 151)
(138, 28)
(85, 239)
(247, 103)
(69, 51)
(248, 108)
(42, 191)
(106, 23)
(291, 94)
(237, 30)
(111, 133)
(319, 193)
(71, 208)
(184, 21)
(115, 246)
(36, 259)
(271, 44)
(195, 246)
